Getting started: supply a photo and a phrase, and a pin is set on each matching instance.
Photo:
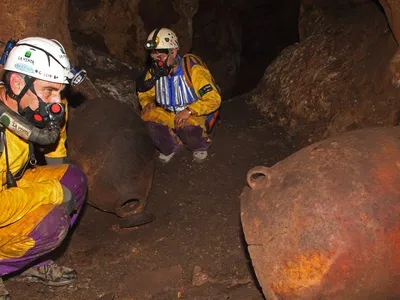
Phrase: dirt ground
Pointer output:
(195, 248)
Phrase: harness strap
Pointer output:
(2, 144)
(10, 180)
(187, 69)
(188, 61)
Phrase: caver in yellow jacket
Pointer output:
(173, 94)
(38, 191)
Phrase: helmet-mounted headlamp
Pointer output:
(76, 76)
(152, 44)
(10, 44)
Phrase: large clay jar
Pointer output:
(324, 223)
(109, 141)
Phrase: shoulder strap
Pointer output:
(188, 61)
(2, 133)
(187, 69)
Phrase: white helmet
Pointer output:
(39, 58)
(162, 38)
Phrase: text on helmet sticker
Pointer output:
(46, 75)
(24, 68)
(26, 59)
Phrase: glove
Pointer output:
(157, 70)
(145, 85)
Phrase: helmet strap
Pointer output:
(175, 61)
(47, 114)
(155, 35)
(28, 84)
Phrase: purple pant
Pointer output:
(53, 228)
(166, 139)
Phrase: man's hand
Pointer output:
(148, 107)
(181, 117)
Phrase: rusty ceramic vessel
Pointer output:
(324, 223)
(109, 141)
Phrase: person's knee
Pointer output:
(74, 179)
(191, 136)
(52, 230)
(163, 137)
(157, 128)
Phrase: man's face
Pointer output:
(162, 54)
(49, 92)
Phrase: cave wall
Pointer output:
(24, 18)
(114, 26)
(392, 10)
(239, 40)
(336, 78)
(228, 35)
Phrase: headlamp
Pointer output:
(76, 76)
(150, 45)
(10, 44)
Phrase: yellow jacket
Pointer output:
(205, 105)
(30, 194)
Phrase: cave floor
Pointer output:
(195, 248)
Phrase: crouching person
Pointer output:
(179, 98)
(39, 205)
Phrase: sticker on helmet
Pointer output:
(28, 54)
(24, 68)
(43, 74)
(26, 59)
